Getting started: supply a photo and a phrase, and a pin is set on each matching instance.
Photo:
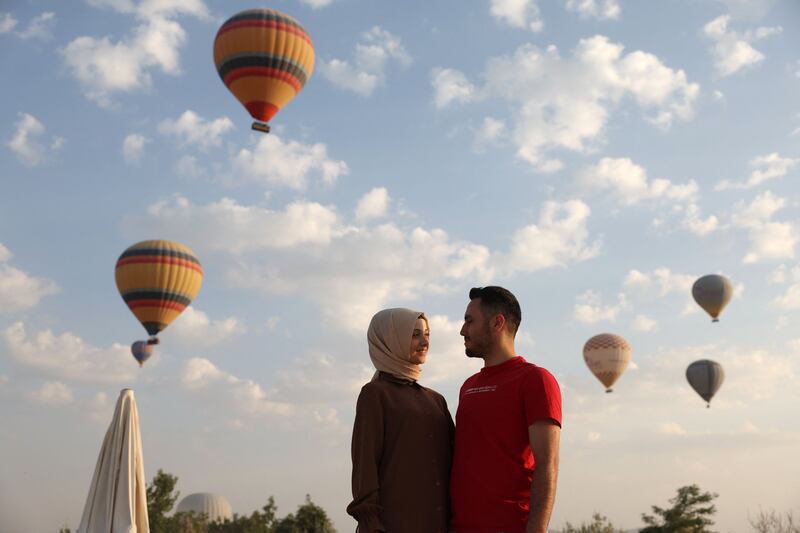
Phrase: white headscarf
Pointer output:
(389, 339)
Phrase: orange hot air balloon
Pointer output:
(158, 280)
(607, 356)
(264, 58)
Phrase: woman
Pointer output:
(402, 435)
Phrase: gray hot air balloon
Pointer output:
(705, 377)
(712, 293)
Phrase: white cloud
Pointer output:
(133, 147)
(349, 271)
(368, 70)
(662, 279)
(52, 393)
(518, 13)
(565, 103)
(732, 51)
(247, 396)
(560, 237)
(40, 27)
(7, 22)
(765, 167)
(228, 226)
(68, 357)
(194, 328)
(192, 129)
(695, 223)
(317, 4)
(672, 428)
(600, 9)
(451, 86)
(189, 166)
(103, 66)
(489, 133)
(768, 239)
(374, 204)
(589, 308)
(19, 290)
(644, 323)
(629, 183)
(26, 142)
(287, 164)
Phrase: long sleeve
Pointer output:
(366, 450)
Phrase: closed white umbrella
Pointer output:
(117, 501)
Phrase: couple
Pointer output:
(495, 471)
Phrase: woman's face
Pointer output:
(420, 340)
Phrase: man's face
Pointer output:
(476, 332)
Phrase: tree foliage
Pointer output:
(691, 512)
(773, 522)
(599, 524)
(161, 498)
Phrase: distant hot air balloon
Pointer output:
(705, 377)
(607, 355)
(712, 293)
(264, 58)
(158, 280)
(141, 351)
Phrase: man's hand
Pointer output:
(545, 436)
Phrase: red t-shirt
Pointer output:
(490, 483)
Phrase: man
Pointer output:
(508, 426)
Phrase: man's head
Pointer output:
(493, 316)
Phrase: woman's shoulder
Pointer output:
(432, 393)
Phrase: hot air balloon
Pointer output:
(158, 280)
(607, 355)
(712, 293)
(705, 377)
(264, 58)
(141, 351)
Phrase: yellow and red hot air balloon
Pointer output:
(158, 280)
(264, 58)
(607, 356)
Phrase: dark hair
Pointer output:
(499, 301)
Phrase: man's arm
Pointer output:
(544, 436)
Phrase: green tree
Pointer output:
(691, 512)
(161, 498)
(310, 518)
(599, 524)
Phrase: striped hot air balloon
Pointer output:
(607, 356)
(264, 58)
(158, 280)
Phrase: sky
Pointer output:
(593, 156)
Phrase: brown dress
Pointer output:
(401, 449)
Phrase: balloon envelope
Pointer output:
(705, 377)
(264, 58)
(158, 280)
(607, 356)
(141, 351)
(712, 293)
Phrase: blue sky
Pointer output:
(594, 156)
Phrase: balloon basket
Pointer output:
(260, 126)
(140, 364)
(152, 341)
(715, 320)
(609, 391)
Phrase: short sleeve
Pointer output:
(541, 397)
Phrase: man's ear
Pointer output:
(498, 323)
